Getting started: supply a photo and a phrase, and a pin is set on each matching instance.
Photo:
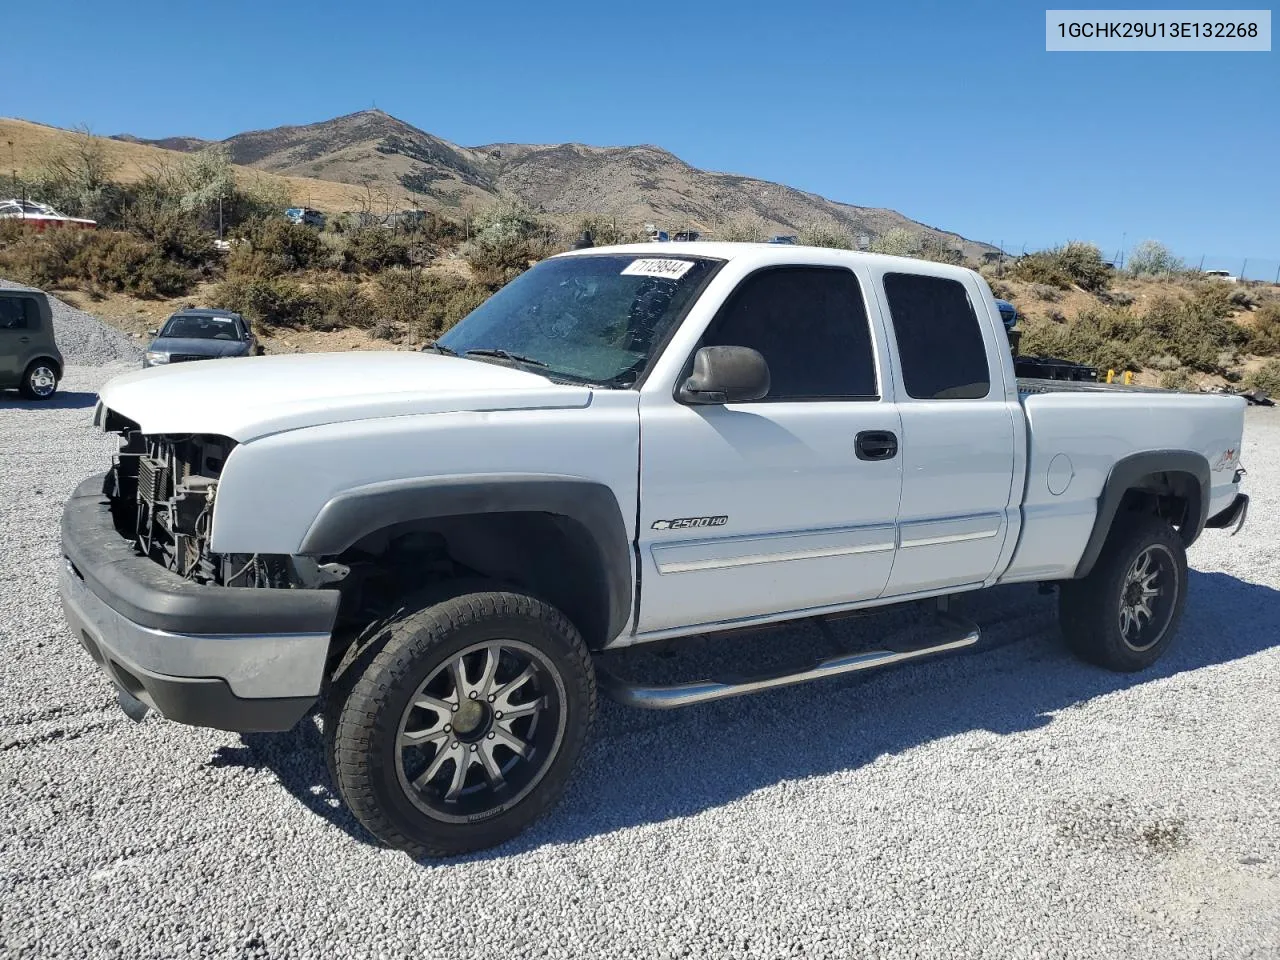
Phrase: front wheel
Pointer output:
(458, 723)
(39, 381)
(1124, 614)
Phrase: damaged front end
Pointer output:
(162, 491)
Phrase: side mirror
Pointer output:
(726, 375)
(153, 333)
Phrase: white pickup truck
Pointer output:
(622, 445)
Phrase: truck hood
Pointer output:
(248, 397)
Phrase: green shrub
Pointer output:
(1084, 264)
(1267, 377)
(41, 260)
(605, 231)
(426, 304)
(341, 304)
(101, 260)
(1106, 338)
(497, 261)
(1198, 331)
(1076, 263)
(371, 249)
(939, 251)
(828, 235)
(506, 237)
(1179, 379)
(898, 242)
(1264, 335)
(1042, 270)
(268, 301)
(11, 231)
(1000, 289)
(274, 246)
(1152, 258)
(1243, 299)
(176, 236)
(743, 228)
(122, 262)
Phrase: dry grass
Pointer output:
(34, 142)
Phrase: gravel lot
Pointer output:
(1008, 803)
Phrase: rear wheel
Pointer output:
(1124, 614)
(459, 723)
(39, 381)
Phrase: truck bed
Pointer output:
(1028, 385)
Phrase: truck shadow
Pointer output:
(62, 400)
(648, 767)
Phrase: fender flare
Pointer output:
(1127, 474)
(356, 513)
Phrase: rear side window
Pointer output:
(810, 323)
(18, 313)
(939, 339)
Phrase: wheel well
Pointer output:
(549, 555)
(1173, 495)
(1173, 484)
(57, 367)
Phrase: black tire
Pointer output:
(1090, 610)
(389, 672)
(39, 380)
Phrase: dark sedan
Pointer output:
(201, 334)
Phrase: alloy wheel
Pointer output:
(480, 731)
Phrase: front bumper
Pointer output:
(234, 658)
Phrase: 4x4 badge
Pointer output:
(686, 522)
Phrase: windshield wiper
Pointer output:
(439, 348)
(503, 355)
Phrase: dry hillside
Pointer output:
(34, 143)
(635, 185)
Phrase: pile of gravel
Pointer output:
(83, 338)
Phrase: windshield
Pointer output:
(593, 318)
(201, 328)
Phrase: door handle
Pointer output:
(24, 339)
(876, 445)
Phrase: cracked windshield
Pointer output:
(594, 319)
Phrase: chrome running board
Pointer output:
(962, 633)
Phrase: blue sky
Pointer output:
(953, 114)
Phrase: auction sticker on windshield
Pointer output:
(668, 269)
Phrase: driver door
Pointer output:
(760, 509)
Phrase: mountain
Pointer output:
(31, 145)
(386, 157)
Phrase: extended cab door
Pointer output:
(754, 510)
(959, 417)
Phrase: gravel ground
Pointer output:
(1008, 803)
(83, 338)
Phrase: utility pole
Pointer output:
(219, 218)
(1124, 242)
(1244, 268)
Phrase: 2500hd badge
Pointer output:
(685, 522)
